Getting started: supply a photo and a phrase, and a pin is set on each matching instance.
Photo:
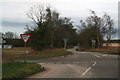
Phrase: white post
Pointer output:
(65, 43)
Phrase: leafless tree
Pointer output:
(108, 29)
(41, 15)
(52, 17)
(9, 35)
(104, 26)
(37, 14)
(93, 21)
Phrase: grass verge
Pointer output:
(20, 69)
(47, 53)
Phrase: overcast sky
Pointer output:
(14, 16)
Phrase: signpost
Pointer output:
(25, 38)
(93, 43)
(65, 42)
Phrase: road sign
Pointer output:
(65, 42)
(93, 43)
(25, 37)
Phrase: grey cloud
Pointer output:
(14, 24)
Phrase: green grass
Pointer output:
(20, 69)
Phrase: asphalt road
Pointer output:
(79, 65)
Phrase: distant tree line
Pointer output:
(11, 38)
(10, 35)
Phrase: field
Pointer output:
(101, 50)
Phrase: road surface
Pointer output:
(79, 65)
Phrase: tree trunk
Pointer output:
(98, 45)
(108, 41)
(52, 38)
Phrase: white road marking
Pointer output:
(94, 63)
(86, 71)
(97, 56)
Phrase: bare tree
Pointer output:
(46, 20)
(93, 21)
(52, 18)
(37, 14)
(103, 27)
(9, 35)
(108, 29)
